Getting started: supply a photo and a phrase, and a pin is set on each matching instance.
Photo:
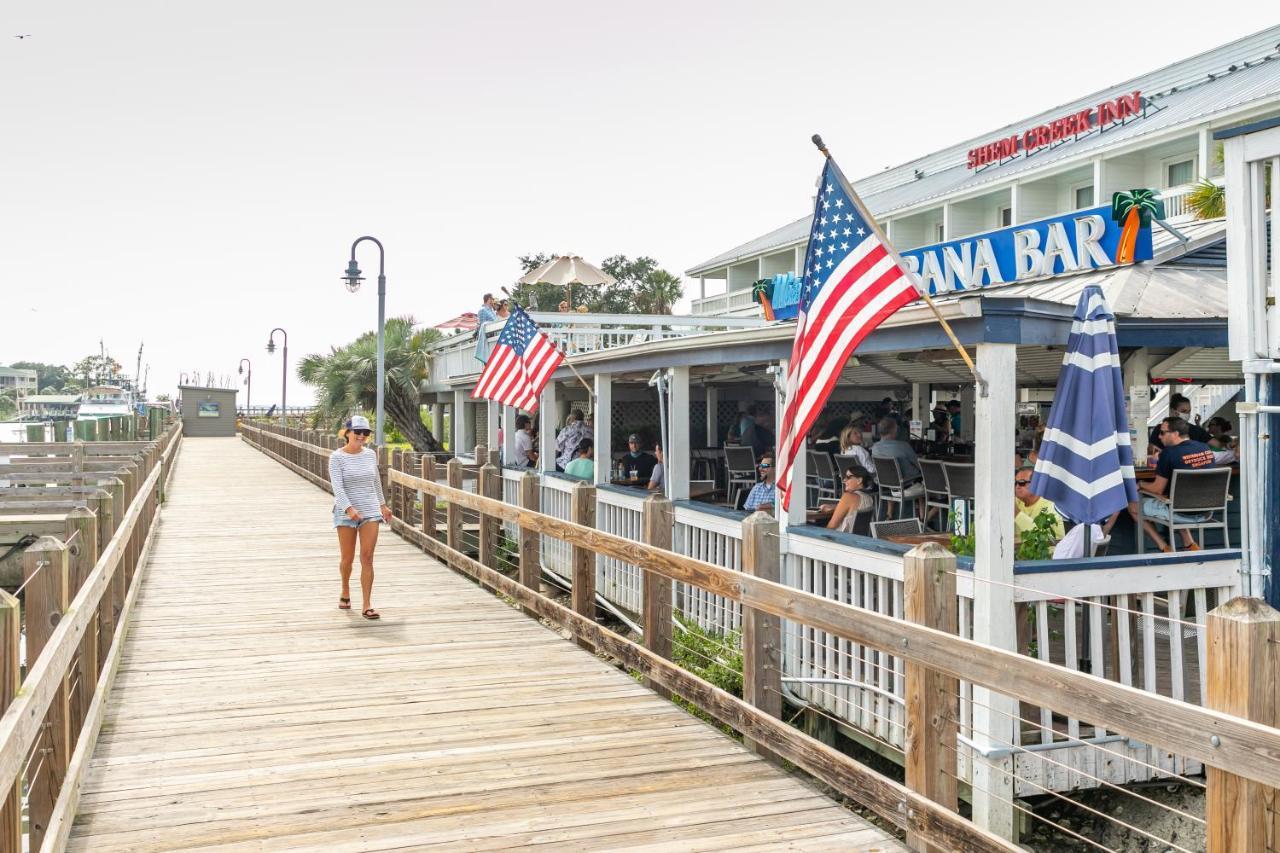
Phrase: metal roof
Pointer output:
(1235, 75)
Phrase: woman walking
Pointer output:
(358, 509)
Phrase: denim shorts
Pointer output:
(340, 519)
(1158, 509)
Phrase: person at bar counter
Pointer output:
(1180, 407)
(658, 479)
(761, 495)
(637, 466)
(1181, 453)
(891, 447)
(583, 466)
(953, 411)
(853, 499)
(1027, 505)
(575, 429)
(526, 456)
(758, 436)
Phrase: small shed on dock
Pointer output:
(208, 412)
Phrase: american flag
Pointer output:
(521, 363)
(852, 281)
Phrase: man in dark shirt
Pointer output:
(639, 461)
(1180, 407)
(758, 435)
(1180, 453)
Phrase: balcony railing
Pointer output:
(579, 333)
(737, 302)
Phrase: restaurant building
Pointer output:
(1005, 230)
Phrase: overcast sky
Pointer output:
(192, 174)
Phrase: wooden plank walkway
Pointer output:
(250, 713)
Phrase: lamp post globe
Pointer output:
(352, 278)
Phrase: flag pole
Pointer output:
(591, 394)
(893, 253)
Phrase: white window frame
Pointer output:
(1178, 160)
(1000, 215)
(940, 231)
(1074, 189)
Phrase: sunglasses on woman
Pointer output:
(363, 432)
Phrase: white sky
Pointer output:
(192, 175)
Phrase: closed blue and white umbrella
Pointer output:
(1085, 464)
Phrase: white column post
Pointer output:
(678, 454)
(604, 426)
(509, 433)
(437, 419)
(798, 263)
(1014, 216)
(920, 406)
(1204, 153)
(459, 424)
(795, 515)
(491, 424)
(1099, 174)
(1137, 379)
(546, 428)
(946, 224)
(702, 287)
(713, 416)
(993, 611)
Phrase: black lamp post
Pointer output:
(284, 367)
(248, 381)
(353, 278)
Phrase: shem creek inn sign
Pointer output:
(1066, 127)
(1094, 238)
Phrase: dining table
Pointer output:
(943, 539)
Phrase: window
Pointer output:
(1084, 196)
(1179, 173)
(1005, 216)
(942, 232)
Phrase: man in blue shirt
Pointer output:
(761, 495)
(1180, 453)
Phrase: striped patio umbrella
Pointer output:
(1085, 465)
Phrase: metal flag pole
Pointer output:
(893, 253)
(591, 394)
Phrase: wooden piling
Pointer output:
(490, 486)
(530, 545)
(1243, 651)
(582, 510)
(428, 472)
(929, 583)
(453, 512)
(761, 631)
(82, 544)
(658, 521)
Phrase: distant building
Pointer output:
(26, 381)
(39, 406)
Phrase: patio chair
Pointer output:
(890, 480)
(740, 465)
(936, 493)
(821, 479)
(881, 529)
(1204, 493)
(960, 483)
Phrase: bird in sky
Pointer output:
(23, 36)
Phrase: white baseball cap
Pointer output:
(358, 422)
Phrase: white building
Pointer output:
(24, 380)
(1154, 131)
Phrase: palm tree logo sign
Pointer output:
(1134, 209)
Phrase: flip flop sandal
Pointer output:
(344, 604)
(371, 614)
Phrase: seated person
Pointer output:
(637, 460)
(827, 439)
(658, 479)
(852, 501)
(1071, 546)
(851, 445)
(1224, 449)
(526, 454)
(1180, 453)
(1027, 505)
(891, 447)
(761, 495)
(1179, 407)
(583, 466)
(568, 439)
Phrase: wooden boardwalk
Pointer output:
(250, 713)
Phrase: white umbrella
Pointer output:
(566, 271)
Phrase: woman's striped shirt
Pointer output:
(355, 482)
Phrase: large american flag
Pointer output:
(852, 281)
(521, 363)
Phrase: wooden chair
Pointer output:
(1203, 493)
(892, 489)
(936, 493)
(821, 479)
(960, 483)
(740, 467)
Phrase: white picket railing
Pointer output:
(557, 497)
(621, 512)
(716, 537)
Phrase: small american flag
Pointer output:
(521, 363)
(852, 281)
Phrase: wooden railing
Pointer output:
(1238, 743)
(79, 589)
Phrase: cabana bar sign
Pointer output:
(1074, 242)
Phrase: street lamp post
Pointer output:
(284, 368)
(353, 278)
(248, 381)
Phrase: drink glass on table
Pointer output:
(635, 473)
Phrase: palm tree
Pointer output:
(346, 379)
(1136, 209)
(658, 292)
(762, 292)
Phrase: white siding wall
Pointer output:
(782, 262)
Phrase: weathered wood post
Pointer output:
(761, 632)
(10, 683)
(582, 510)
(489, 486)
(929, 582)
(44, 572)
(82, 543)
(453, 512)
(428, 473)
(394, 495)
(77, 464)
(383, 461)
(1243, 652)
(658, 521)
(530, 544)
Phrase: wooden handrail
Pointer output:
(21, 723)
(1216, 739)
